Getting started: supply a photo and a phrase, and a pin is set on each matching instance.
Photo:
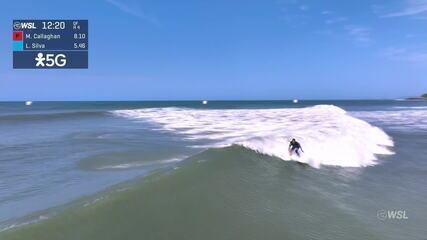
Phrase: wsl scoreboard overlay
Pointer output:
(42, 44)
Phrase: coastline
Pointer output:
(419, 98)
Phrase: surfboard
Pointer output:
(294, 155)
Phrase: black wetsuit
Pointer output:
(295, 146)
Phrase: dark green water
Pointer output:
(228, 194)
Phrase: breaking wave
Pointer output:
(328, 135)
(408, 118)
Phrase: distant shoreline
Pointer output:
(416, 99)
(422, 97)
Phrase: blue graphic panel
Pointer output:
(56, 41)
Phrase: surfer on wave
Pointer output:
(294, 146)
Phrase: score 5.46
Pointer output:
(79, 45)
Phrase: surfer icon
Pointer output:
(295, 146)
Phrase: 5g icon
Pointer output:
(51, 60)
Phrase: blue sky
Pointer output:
(229, 49)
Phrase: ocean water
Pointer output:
(185, 170)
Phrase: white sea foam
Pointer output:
(328, 135)
(411, 107)
(140, 164)
(414, 119)
(94, 201)
(23, 223)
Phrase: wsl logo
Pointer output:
(24, 25)
(392, 215)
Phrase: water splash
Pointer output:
(327, 133)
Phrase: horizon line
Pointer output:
(216, 100)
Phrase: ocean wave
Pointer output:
(139, 164)
(401, 119)
(48, 115)
(328, 135)
(413, 107)
(218, 187)
(32, 219)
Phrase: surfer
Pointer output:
(294, 146)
